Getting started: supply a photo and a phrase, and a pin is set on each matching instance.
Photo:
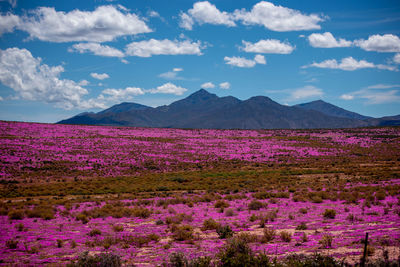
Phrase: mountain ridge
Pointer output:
(202, 109)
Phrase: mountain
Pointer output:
(205, 110)
(331, 110)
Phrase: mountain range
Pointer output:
(205, 110)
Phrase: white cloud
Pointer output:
(349, 64)
(99, 76)
(154, 14)
(103, 24)
(347, 97)
(172, 75)
(83, 83)
(396, 58)
(225, 85)
(375, 94)
(117, 95)
(305, 92)
(269, 46)
(163, 47)
(186, 22)
(326, 40)
(1, 98)
(32, 80)
(205, 12)
(278, 18)
(97, 49)
(380, 43)
(383, 86)
(260, 59)
(240, 62)
(168, 88)
(208, 85)
(8, 23)
(244, 62)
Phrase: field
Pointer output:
(156, 196)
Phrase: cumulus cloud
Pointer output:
(208, 85)
(103, 24)
(396, 58)
(349, 64)
(99, 76)
(260, 59)
(8, 23)
(272, 17)
(278, 18)
(244, 62)
(347, 97)
(305, 92)
(326, 40)
(269, 46)
(225, 85)
(172, 75)
(163, 47)
(375, 94)
(205, 12)
(97, 49)
(33, 80)
(380, 43)
(116, 95)
(168, 88)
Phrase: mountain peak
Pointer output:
(202, 95)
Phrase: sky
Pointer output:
(61, 58)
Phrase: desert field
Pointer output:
(148, 197)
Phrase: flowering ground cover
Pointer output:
(146, 194)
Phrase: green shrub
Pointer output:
(303, 210)
(182, 232)
(118, 228)
(302, 226)
(82, 217)
(285, 236)
(94, 232)
(12, 244)
(269, 235)
(255, 205)
(102, 259)
(224, 231)
(210, 224)
(16, 215)
(43, 212)
(221, 204)
(329, 214)
(326, 241)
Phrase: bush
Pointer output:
(60, 243)
(229, 213)
(82, 217)
(94, 232)
(303, 210)
(179, 260)
(12, 244)
(302, 226)
(100, 260)
(285, 236)
(237, 253)
(20, 227)
(16, 215)
(182, 232)
(329, 214)
(210, 224)
(269, 235)
(221, 204)
(224, 231)
(43, 212)
(255, 205)
(118, 228)
(326, 241)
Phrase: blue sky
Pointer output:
(60, 58)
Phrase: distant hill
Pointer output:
(205, 110)
(331, 110)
